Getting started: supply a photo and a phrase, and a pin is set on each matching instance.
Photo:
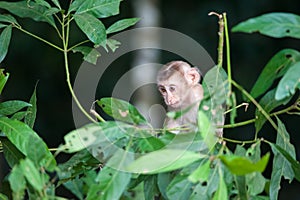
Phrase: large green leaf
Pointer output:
(215, 85)
(281, 166)
(28, 142)
(268, 102)
(241, 165)
(272, 24)
(207, 130)
(31, 10)
(98, 8)
(89, 54)
(32, 174)
(221, 193)
(92, 27)
(201, 173)
(179, 188)
(4, 41)
(12, 106)
(294, 163)
(121, 25)
(165, 160)
(3, 79)
(8, 19)
(31, 111)
(112, 183)
(17, 182)
(11, 153)
(275, 68)
(121, 110)
(289, 82)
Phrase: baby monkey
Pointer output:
(179, 85)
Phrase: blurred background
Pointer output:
(29, 61)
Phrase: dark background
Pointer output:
(29, 61)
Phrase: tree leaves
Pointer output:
(28, 142)
(4, 41)
(240, 165)
(289, 83)
(31, 10)
(10, 107)
(166, 160)
(275, 68)
(121, 25)
(89, 54)
(272, 24)
(121, 110)
(92, 27)
(98, 8)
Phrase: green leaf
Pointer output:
(268, 103)
(3, 79)
(121, 25)
(113, 44)
(32, 174)
(4, 197)
(43, 3)
(8, 19)
(276, 25)
(180, 187)
(10, 107)
(281, 165)
(163, 180)
(17, 182)
(275, 68)
(31, 10)
(89, 54)
(289, 82)
(221, 193)
(166, 160)
(11, 153)
(295, 164)
(31, 111)
(56, 3)
(207, 130)
(241, 187)
(98, 8)
(255, 183)
(92, 27)
(201, 173)
(150, 187)
(76, 187)
(4, 41)
(28, 142)
(81, 138)
(215, 85)
(112, 183)
(121, 110)
(241, 165)
(19, 115)
(149, 144)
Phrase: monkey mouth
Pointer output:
(175, 104)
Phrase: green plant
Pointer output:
(115, 159)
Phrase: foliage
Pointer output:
(127, 158)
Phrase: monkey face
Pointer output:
(170, 95)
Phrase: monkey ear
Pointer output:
(193, 76)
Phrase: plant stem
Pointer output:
(237, 124)
(260, 109)
(39, 38)
(221, 38)
(65, 50)
(239, 141)
(227, 54)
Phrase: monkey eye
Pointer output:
(172, 88)
(162, 90)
